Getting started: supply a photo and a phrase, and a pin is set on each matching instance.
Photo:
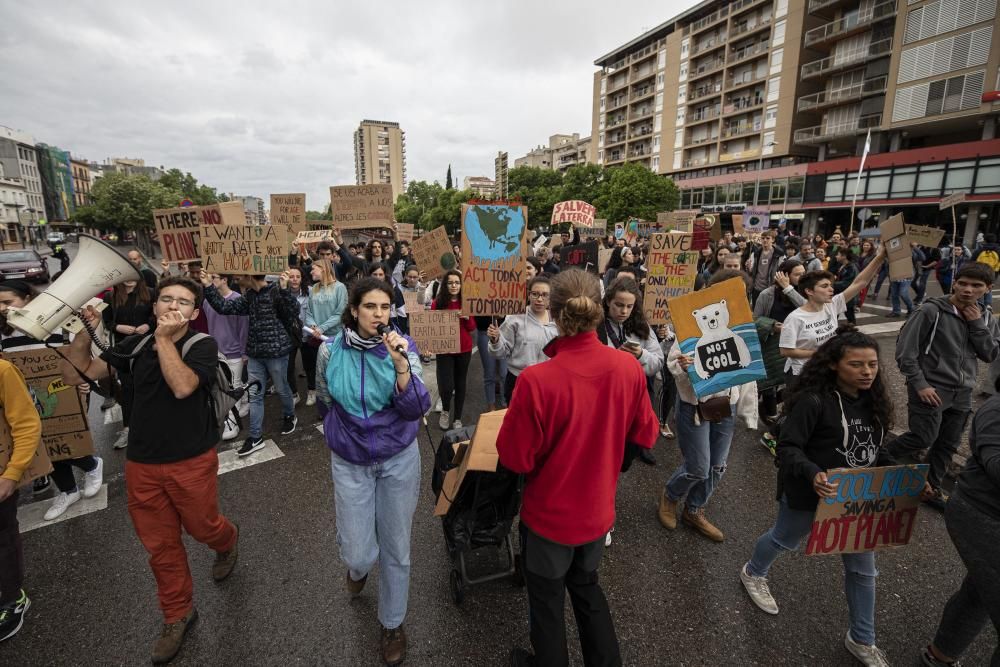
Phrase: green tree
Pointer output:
(539, 190)
(633, 191)
(187, 185)
(584, 182)
(316, 215)
(125, 202)
(447, 180)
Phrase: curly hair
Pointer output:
(636, 322)
(819, 376)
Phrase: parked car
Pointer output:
(56, 237)
(26, 264)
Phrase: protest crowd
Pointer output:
(332, 338)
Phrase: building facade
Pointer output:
(501, 184)
(20, 161)
(13, 201)
(57, 182)
(253, 208)
(81, 182)
(380, 155)
(481, 185)
(564, 151)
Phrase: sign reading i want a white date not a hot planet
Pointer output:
(244, 250)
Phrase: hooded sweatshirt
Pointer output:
(939, 348)
(522, 339)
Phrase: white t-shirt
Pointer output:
(805, 330)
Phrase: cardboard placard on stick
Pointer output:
(576, 212)
(244, 250)
(672, 263)
(494, 254)
(404, 232)
(928, 237)
(603, 257)
(874, 508)
(433, 253)
(893, 233)
(223, 213)
(179, 231)
(411, 302)
(310, 236)
(362, 206)
(65, 432)
(40, 464)
(677, 221)
(436, 331)
(479, 454)
(289, 211)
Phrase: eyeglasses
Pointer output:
(538, 295)
(166, 300)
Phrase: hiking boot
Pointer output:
(696, 519)
(355, 587)
(250, 445)
(869, 656)
(172, 637)
(667, 512)
(12, 616)
(393, 646)
(225, 561)
(758, 591)
(288, 423)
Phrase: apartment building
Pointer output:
(253, 208)
(81, 181)
(563, 151)
(380, 155)
(13, 200)
(483, 186)
(20, 161)
(501, 185)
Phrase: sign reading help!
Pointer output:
(244, 250)
(673, 265)
(874, 508)
(494, 250)
(715, 329)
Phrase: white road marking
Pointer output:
(862, 316)
(884, 327)
(229, 461)
(877, 307)
(30, 516)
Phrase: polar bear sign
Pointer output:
(715, 328)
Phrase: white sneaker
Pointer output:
(244, 406)
(93, 480)
(758, 591)
(122, 441)
(437, 406)
(457, 423)
(607, 538)
(230, 429)
(444, 421)
(311, 397)
(61, 504)
(869, 656)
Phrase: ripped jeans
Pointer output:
(705, 448)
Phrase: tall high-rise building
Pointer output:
(501, 185)
(380, 155)
(17, 153)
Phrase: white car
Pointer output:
(56, 237)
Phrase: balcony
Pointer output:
(749, 26)
(640, 114)
(744, 79)
(842, 61)
(642, 93)
(615, 157)
(704, 91)
(616, 122)
(712, 18)
(697, 162)
(850, 24)
(741, 4)
(641, 132)
(707, 68)
(829, 98)
(741, 129)
(713, 42)
(822, 133)
(739, 55)
(819, 5)
(622, 81)
(617, 102)
(701, 140)
(615, 140)
(742, 104)
(703, 115)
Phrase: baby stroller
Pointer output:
(481, 514)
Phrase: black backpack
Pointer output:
(293, 328)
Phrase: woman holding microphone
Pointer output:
(370, 392)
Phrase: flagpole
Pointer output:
(857, 182)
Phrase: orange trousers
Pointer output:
(162, 499)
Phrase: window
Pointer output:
(778, 37)
(989, 176)
(600, 157)
(929, 183)
(678, 138)
(796, 186)
(776, 57)
(659, 101)
(735, 193)
(661, 60)
(604, 85)
(656, 163)
(677, 159)
(768, 146)
(683, 71)
(780, 8)
(656, 141)
(657, 122)
(771, 116)
(778, 189)
(834, 188)
(685, 45)
(959, 180)
(878, 183)
(773, 88)
(659, 81)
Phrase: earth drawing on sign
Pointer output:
(494, 231)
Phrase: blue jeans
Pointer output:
(705, 448)
(374, 507)
(900, 289)
(789, 529)
(490, 375)
(920, 284)
(259, 369)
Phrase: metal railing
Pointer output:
(703, 115)
(696, 163)
(705, 91)
(707, 67)
(742, 29)
(823, 65)
(744, 79)
(878, 12)
(741, 128)
(756, 49)
(639, 94)
(710, 19)
(847, 93)
(740, 4)
(825, 132)
(713, 42)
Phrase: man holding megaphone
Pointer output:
(172, 466)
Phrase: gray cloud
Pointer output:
(257, 97)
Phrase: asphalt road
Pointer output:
(676, 598)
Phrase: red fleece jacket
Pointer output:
(466, 325)
(566, 428)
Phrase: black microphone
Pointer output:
(382, 330)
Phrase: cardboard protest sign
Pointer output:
(223, 213)
(632, 231)
(603, 257)
(411, 303)
(672, 266)
(494, 253)
(677, 221)
(597, 232)
(479, 454)
(893, 233)
(756, 219)
(40, 464)
(619, 230)
(65, 432)
(435, 331)
(178, 229)
(244, 249)
(361, 206)
(951, 201)
(289, 211)
(310, 236)
(581, 255)
(576, 212)
(737, 224)
(433, 253)
(404, 232)
(929, 237)
(715, 328)
(875, 508)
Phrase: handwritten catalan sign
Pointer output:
(576, 212)
(179, 231)
(65, 432)
(433, 253)
(494, 252)
(672, 266)
(244, 250)
(929, 237)
(289, 211)
(874, 508)
(715, 328)
(435, 331)
(951, 200)
(581, 255)
(362, 206)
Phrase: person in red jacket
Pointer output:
(452, 369)
(571, 455)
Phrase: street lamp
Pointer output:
(760, 166)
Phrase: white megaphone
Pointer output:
(97, 266)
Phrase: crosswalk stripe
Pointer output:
(882, 328)
(229, 461)
(877, 307)
(31, 516)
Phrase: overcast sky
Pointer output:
(254, 97)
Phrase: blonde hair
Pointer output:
(575, 302)
(328, 277)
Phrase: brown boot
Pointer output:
(225, 561)
(171, 638)
(393, 646)
(355, 587)
(696, 519)
(667, 512)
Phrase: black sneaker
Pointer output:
(40, 485)
(12, 616)
(250, 445)
(288, 423)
